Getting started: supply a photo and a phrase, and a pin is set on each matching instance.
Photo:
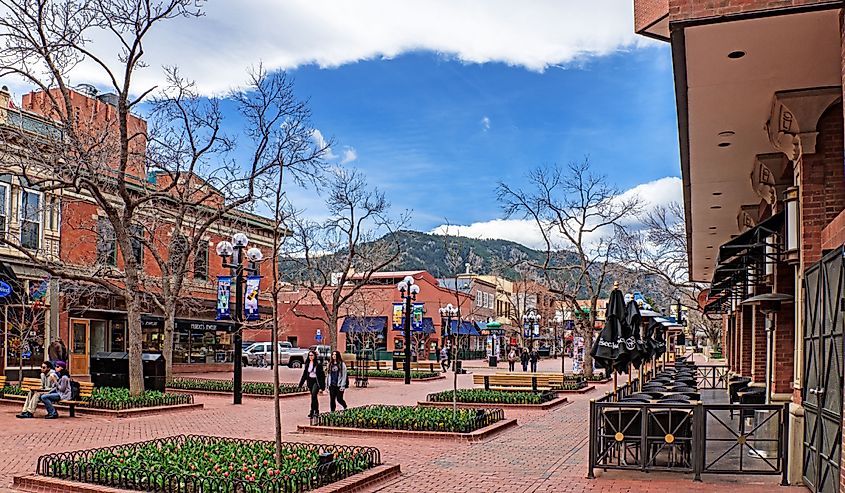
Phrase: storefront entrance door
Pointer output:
(80, 332)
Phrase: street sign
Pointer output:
(319, 336)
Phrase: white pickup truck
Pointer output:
(258, 354)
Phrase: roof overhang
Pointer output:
(725, 101)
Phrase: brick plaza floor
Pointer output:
(547, 452)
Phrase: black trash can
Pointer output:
(111, 369)
(494, 361)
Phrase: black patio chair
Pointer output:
(751, 395)
(735, 386)
(622, 426)
(670, 429)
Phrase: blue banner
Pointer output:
(397, 316)
(251, 298)
(417, 316)
(224, 289)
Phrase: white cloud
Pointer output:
(485, 123)
(321, 142)
(524, 231)
(216, 49)
(349, 155)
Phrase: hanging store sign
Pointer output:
(251, 298)
(5, 289)
(224, 289)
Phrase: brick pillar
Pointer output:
(784, 362)
(822, 187)
(746, 329)
(758, 346)
(737, 331)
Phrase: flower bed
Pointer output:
(201, 463)
(254, 388)
(116, 399)
(574, 385)
(410, 418)
(13, 390)
(398, 374)
(482, 396)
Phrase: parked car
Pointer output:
(288, 355)
(322, 351)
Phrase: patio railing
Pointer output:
(711, 377)
(689, 437)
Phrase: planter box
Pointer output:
(470, 405)
(402, 379)
(475, 436)
(229, 394)
(582, 390)
(125, 413)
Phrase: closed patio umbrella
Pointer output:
(634, 343)
(609, 349)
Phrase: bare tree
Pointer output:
(658, 252)
(98, 157)
(575, 209)
(332, 260)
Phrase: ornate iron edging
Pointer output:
(73, 466)
(481, 419)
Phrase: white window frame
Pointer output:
(7, 207)
(40, 216)
(479, 298)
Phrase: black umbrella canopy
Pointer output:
(658, 342)
(609, 349)
(634, 343)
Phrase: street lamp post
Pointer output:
(530, 323)
(449, 312)
(408, 292)
(231, 254)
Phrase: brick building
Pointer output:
(78, 236)
(759, 87)
(372, 310)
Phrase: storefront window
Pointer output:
(118, 335)
(181, 347)
(151, 339)
(24, 333)
(202, 342)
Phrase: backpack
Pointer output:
(75, 390)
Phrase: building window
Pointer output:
(479, 298)
(201, 260)
(4, 208)
(106, 243)
(30, 215)
(137, 232)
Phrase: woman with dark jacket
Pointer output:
(523, 358)
(315, 377)
(338, 380)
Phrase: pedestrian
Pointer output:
(523, 358)
(313, 375)
(512, 359)
(57, 351)
(49, 378)
(535, 357)
(444, 358)
(61, 392)
(338, 380)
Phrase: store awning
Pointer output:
(465, 328)
(752, 241)
(427, 326)
(363, 324)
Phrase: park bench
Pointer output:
(86, 389)
(515, 381)
(370, 364)
(2, 384)
(432, 366)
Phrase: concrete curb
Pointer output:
(475, 436)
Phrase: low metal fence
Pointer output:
(711, 377)
(91, 466)
(472, 419)
(688, 437)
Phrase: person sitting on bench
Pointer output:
(61, 392)
(49, 378)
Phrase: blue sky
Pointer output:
(437, 134)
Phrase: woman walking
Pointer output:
(512, 359)
(314, 375)
(338, 380)
(523, 358)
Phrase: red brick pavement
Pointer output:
(547, 452)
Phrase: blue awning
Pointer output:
(427, 326)
(363, 324)
(465, 329)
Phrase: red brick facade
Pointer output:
(822, 194)
(758, 351)
(746, 321)
(783, 365)
(647, 12)
(685, 10)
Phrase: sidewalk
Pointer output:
(546, 452)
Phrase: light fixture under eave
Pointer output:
(793, 224)
(736, 54)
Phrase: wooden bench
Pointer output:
(86, 389)
(370, 364)
(2, 384)
(511, 381)
(432, 366)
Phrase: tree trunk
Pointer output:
(133, 324)
(274, 359)
(168, 342)
(331, 332)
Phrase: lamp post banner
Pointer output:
(417, 316)
(397, 316)
(224, 289)
(251, 298)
